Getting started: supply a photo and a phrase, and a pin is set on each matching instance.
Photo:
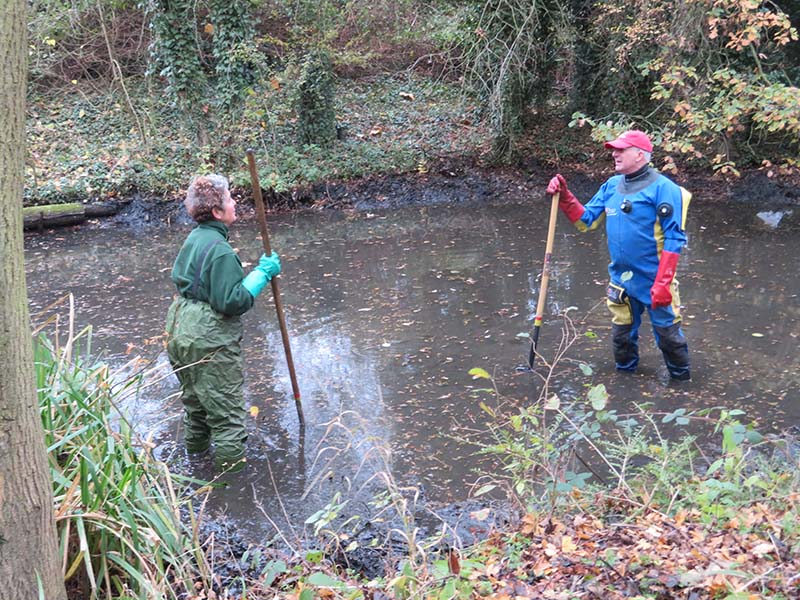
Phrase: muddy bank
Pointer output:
(376, 549)
(462, 184)
(468, 187)
(502, 185)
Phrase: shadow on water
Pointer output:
(388, 311)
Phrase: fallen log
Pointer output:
(52, 215)
(60, 215)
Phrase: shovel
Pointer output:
(537, 321)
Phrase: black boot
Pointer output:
(675, 349)
(626, 348)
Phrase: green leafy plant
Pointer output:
(719, 95)
(118, 511)
(510, 53)
(314, 101)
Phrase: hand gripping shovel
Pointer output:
(262, 223)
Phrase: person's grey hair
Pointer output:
(205, 193)
(647, 156)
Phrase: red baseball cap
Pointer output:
(632, 138)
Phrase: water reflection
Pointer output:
(387, 311)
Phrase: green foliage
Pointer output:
(316, 116)
(361, 36)
(605, 80)
(715, 81)
(175, 52)
(315, 16)
(511, 54)
(546, 451)
(536, 447)
(324, 517)
(207, 55)
(84, 146)
(719, 94)
(235, 55)
(118, 510)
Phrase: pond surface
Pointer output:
(387, 312)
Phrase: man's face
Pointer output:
(627, 160)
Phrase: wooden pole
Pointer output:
(537, 322)
(262, 223)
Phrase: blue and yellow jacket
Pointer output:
(642, 219)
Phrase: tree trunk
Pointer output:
(28, 546)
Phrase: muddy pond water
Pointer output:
(388, 310)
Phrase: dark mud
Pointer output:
(373, 548)
(461, 185)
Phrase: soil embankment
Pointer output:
(457, 185)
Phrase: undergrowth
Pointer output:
(126, 524)
(86, 147)
(651, 504)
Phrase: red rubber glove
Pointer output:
(567, 202)
(660, 294)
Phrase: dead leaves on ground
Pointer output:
(654, 556)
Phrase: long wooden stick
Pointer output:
(537, 322)
(262, 223)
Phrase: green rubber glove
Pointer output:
(270, 265)
(258, 278)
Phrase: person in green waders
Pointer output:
(204, 327)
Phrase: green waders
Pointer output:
(204, 348)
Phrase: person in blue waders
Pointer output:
(204, 327)
(645, 216)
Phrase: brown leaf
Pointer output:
(454, 561)
(530, 524)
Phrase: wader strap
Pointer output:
(199, 270)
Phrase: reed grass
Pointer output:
(126, 524)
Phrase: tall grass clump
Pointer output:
(118, 511)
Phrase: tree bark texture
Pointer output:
(28, 543)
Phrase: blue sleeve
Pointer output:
(596, 207)
(671, 210)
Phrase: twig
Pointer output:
(117, 70)
(747, 584)
(271, 522)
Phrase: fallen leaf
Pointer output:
(530, 524)
(454, 561)
(480, 515)
(761, 549)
